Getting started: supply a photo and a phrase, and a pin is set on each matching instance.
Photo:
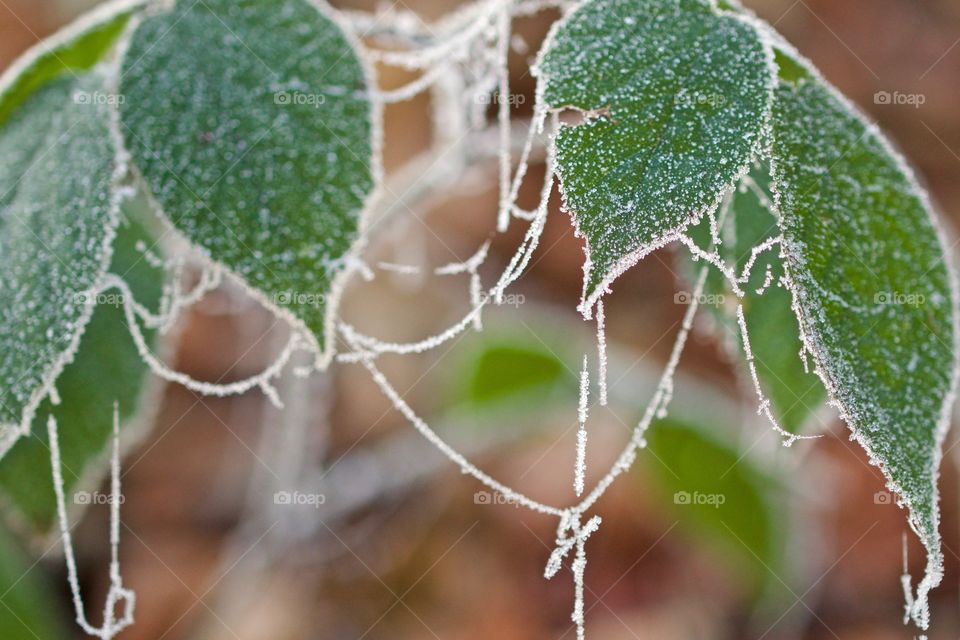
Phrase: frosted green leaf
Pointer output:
(795, 393)
(252, 123)
(58, 218)
(107, 369)
(873, 291)
(77, 48)
(674, 95)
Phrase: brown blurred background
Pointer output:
(401, 549)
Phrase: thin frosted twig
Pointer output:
(117, 593)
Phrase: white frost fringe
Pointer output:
(117, 593)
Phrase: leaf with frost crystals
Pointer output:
(107, 369)
(252, 123)
(58, 218)
(873, 291)
(78, 47)
(794, 393)
(675, 94)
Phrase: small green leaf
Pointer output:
(874, 292)
(28, 606)
(107, 369)
(58, 218)
(716, 493)
(674, 94)
(253, 126)
(77, 48)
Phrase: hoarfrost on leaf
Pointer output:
(674, 96)
(254, 127)
(873, 291)
(58, 212)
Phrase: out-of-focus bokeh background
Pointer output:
(806, 545)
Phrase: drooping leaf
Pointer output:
(28, 606)
(77, 48)
(718, 494)
(794, 392)
(674, 95)
(57, 220)
(252, 123)
(107, 369)
(874, 292)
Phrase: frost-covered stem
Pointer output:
(522, 257)
(716, 260)
(465, 465)
(629, 453)
(456, 32)
(503, 118)
(117, 593)
(261, 380)
(580, 469)
(755, 253)
(602, 353)
(764, 402)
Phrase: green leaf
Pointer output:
(675, 94)
(28, 602)
(719, 495)
(874, 292)
(77, 48)
(252, 123)
(58, 217)
(107, 369)
(794, 392)
(503, 370)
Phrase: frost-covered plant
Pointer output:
(246, 134)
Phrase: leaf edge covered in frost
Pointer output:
(325, 355)
(137, 411)
(83, 26)
(11, 432)
(917, 606)
(590, 299)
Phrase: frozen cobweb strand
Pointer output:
(503, 117)
(763, 402)
(658, 403)
(456, 457)
(117, 593)
(261, 380)
(572, 536)
(602, 353)
(580, 469)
